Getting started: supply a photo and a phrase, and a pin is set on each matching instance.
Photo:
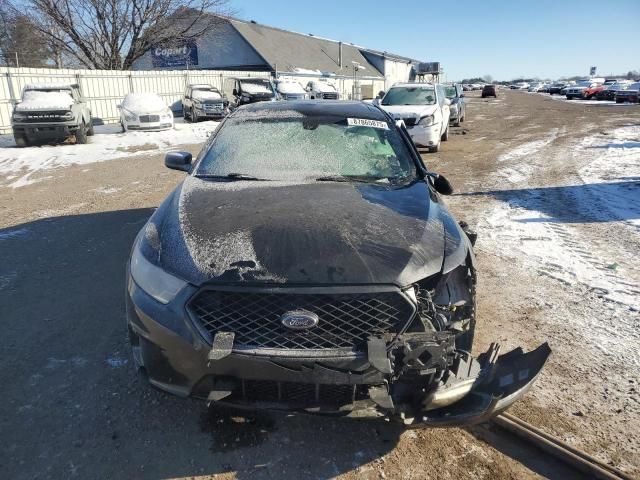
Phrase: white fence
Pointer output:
(105, 89)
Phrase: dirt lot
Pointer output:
(553, 190)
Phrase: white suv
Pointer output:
(424, 108)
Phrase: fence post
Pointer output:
(12, 92)
(130, 82)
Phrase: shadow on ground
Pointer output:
(73, 405)
(588, 203)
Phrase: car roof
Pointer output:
(317, 108)
(410, 84)
(195, 85)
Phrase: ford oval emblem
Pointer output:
(299, 320)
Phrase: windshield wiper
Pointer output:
(353, 178)
(232, 176)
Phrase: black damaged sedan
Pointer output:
(307, 262)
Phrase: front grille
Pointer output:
(330, 96)
(409, 122)
(301, 395)
(46, 117)
(345, 320)
(149, 118)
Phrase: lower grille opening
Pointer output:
(297, 395)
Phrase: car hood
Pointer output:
(400, 112)
(314, 234)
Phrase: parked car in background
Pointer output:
(489, 91)
(592, 91)
(577, 90)
(535, 87)
(556, 88)
(232, 294)
(424, 109)
(458, 108)
(202, 101)
(609, 93)
(629, 94)
(519, 86)
(244, 90)
(322, 90)
(51, 112)
(291, 90)
(144, 111)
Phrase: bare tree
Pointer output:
(112, 34)
(21, 43)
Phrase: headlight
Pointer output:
(153, 279)
(168, 115)
(130, 116)
(427, 121)
(19, 116)
(67, 116)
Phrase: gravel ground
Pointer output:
(557, 263)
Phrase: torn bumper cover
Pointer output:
(423, 381)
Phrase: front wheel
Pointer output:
(81, 134)
(434, 149)
(194, 116)
(445, 135)
(90, 131)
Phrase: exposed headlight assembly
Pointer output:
(159, 284)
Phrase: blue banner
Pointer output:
(184, 55)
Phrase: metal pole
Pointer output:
(17, 61)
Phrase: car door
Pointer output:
(442, 114)
(461, 101)
(186, 101)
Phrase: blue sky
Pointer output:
(505, 39)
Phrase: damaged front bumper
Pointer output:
(419, 378)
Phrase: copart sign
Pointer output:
(183, 54)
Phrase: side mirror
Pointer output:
(235, 92)
(376, 101)
(441, 184)
(178, 161)
(381, 93)
(119, 106)
(462, 95)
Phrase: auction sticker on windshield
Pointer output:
(364, 122)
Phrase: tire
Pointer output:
(618, 101)
(457, 124)
(434, 149)
(184, 113)
(124, 130)
(483, 96)
(193, 115)
(445, 135)
(21, 140)
(90, 131)
(81, 134)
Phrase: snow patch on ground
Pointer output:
(529, 148)
(107, 144)
(541, 228)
